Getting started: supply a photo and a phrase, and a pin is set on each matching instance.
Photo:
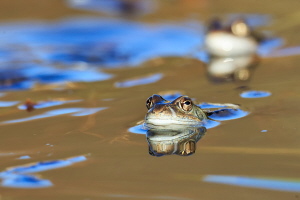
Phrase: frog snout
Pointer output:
(159, 109)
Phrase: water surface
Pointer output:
(96, 73)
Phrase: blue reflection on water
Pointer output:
(225, 112)
(253, 20)
(24, 157)
(106, 42)
(209, 105)
(289, 51)
(87, 111)
(141, 81)
(24, 181)
(8, 103)
(80, 45)
(228, 114)
(87, 75)
(24, 76)
(138, 129)
(46, 104)
(263, 183)
(23, 85)
(203, 56)
(44, 166)
(255, 94)
(20, 177)
(112, 7)
(47, 114)
(57, 112)
(266, 47)
(208, 124)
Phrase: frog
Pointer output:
(236, 40)
(180, 111)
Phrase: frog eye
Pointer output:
(149, 103)
(186, 104)
(153, 100)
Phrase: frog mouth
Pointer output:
(169, 120)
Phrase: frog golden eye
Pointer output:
(149, 103)
(186, 105)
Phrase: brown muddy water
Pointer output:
(75, 143)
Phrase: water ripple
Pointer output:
(228, 114)
(30, 50)
(141, 81)
(8, 103)
(262, 183)
(254, 20)
(46, 104)
(107, 42)
(113, 7)
(57, 112)
(24, 157)
(266, 47)
(21, 177)
(255, 94)
(24, 76)
(289, 51)
(210, 105)
(138, 129)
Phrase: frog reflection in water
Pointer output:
(182, 110)
(174, 127)
(180, 140)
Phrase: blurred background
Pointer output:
(75, 76)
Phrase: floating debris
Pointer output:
(29, 105)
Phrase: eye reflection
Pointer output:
(180, 140)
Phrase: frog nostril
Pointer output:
(156, 109)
